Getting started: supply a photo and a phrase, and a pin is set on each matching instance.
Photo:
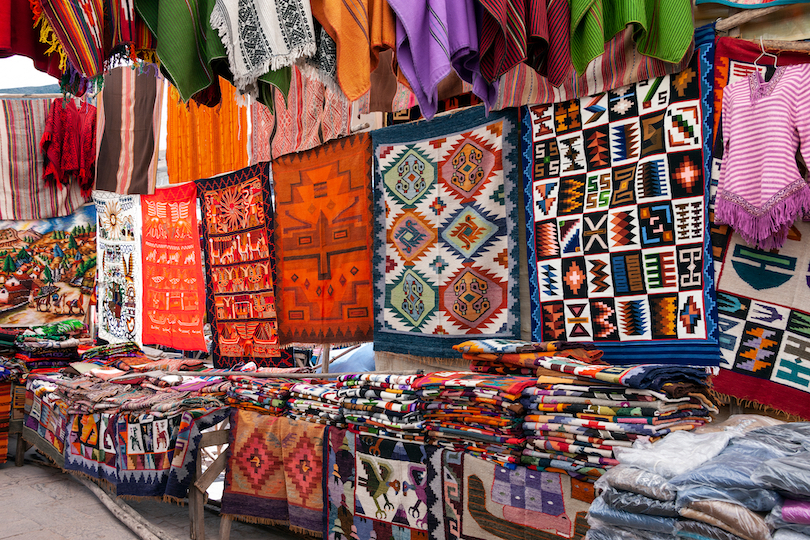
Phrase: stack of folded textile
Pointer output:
(514, 357)
(318, 403)
(476, 412)
(576, 419)
(383, 405)
(265, 395)
(123, 356)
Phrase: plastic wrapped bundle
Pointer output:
(730, 517)
(789, 476)
(638, 504)
(635, 480)
(601, 511)
(778, 520)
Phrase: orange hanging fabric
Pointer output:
(203, 142)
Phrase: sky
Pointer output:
(17, 71)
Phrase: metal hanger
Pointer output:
(765, 53)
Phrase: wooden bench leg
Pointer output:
(22, 448)
(225, 528)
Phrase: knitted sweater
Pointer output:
(761, 192)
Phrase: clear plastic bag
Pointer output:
(790, 476)
(740, 422)
(730, 517)
(638, 504)
(627, 478)
(602, 531)
(697, 530)
(675, 454)
(787, 534)
(619, 518)
(775, 520)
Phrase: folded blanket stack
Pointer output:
(265, 395)
(313, 402)
(708, 485)
(382, 405)
(123, 356)
(514, 357)
(477, 412)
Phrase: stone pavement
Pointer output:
(38, 501)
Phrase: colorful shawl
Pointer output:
(262, 123)
(202, 141)
(275, 472)
(128, 125)
(312, 114)
(661, 29)
(19, 37)
(129, 29)
(445, 248)
(616, 223)
(69, 144)
(26, 195)
(240, 265)
(762, 305)
(120, 281)
(323, 205)
(361, 30)
(435, 39)
(173, 285)
(79, 25)
(260, 36)
(619, 65)
(54, 291)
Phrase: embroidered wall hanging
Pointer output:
(616, 222)
(762, 296)
(445, 246)
(48, 268)
(276, 471)
(173, 285)
(240, 255)
(120, 281)
(323, 224)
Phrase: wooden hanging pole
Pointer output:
(325, 358)
(748, 15)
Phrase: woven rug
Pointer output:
(92, 446)
(194, 130)
(484, 500)
(5, 417)
(120, 282)
(26, 194)
(128, 126)
(616, 223)
(173, 284)
(56, 292)
(382, 488)
(49, 420)
(762, 296)
(156, 456)
(240, 256)
(445, 240)
(275, 472)
(323, 205)
(79, 26)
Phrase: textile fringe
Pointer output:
(104, 484)
(258, 520)
(48, 36)
(727, 399)
(175, 500)
(247, 83)
(321, 76)
(769, 230)
(306, 532)
(139, 498)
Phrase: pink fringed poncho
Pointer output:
(761, 192)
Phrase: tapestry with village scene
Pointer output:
(47, 268)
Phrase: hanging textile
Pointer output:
(662, 29)
(202, 142)
(129, 29)
(79, 26)
(18, 37)
(361, 30)
(452, 45)
(312, 114)
(25, 194)
(761, 295)
(69, 144)
(323, 205)
(260, 36)
(445, 250)
(120, 281)
(619, 65)
(128, 127)
(616, 209)
(238, 232)
(262, 122)
(49, 268)
(275, 475)
(173, 285)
